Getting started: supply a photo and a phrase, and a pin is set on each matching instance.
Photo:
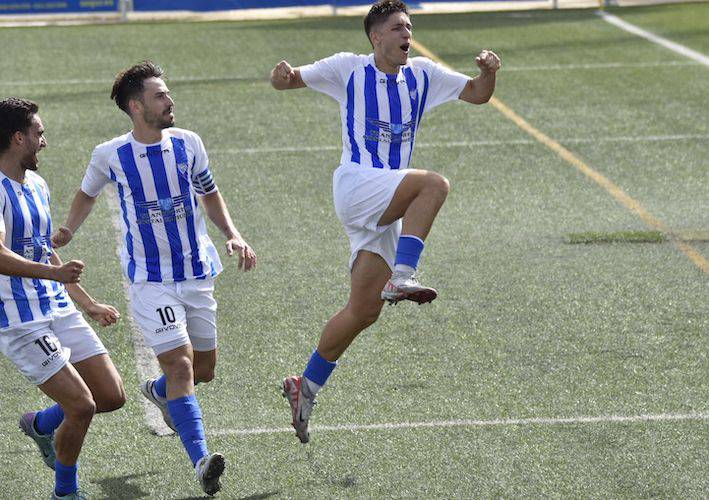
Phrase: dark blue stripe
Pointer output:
(39, 287)
(178, 145)
(350, 119)
(162, 185)
(422, 108)
(152, 253)
(413, 91)
(129, 236)
(18, 232)
(4, 323)
(394, 121)
(371, 130)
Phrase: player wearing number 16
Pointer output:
(159, 173)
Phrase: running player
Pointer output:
(159, 172)
(41, 331)
(387, 209)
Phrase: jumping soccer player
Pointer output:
(41, 331)
(159, 172)
(387, 209)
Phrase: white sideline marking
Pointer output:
(584, 140)
(146, 362)
(439, 424)
(674, 46)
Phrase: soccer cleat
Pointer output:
(77, 495)
(406, 287)
(209, 469)
(301, 406)
(44, 442)
(147, 389)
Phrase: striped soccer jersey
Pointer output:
(27, 226)
(381, 112)
(164, 232)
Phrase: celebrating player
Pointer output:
(159, 172)
(41, 331)
(387, 209)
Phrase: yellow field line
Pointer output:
(613, 189)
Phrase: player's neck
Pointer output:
(12, 168)
(385, 66)
(146, 135)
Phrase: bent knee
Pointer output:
(440, 184)
(111, 402)
(81, 408)
(204, 375)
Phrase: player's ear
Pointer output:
(135, 106)
(18, 137)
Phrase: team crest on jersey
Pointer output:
(182, 169)
(165, 204)
(390, 132)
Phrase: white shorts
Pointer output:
(171, 315)
(362, 195)
(41, 348)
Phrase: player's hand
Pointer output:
(283, 73)
(104, 314)
(62, 237)
(246, 254)
(69, 272)
(488, 61)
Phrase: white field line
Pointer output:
(440, 424)
(146, 362)
(465, 144)
(674, 46)
(256, 79)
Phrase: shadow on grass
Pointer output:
(120, 487)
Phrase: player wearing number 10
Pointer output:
(41, 331)
(159, 173)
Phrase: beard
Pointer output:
(30, 162)
(160, 121)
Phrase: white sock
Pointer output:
(311, 388)
(404, 269)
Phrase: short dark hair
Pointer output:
(15, 116)
(129, 83)
(380, 11)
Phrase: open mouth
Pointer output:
(405, 48)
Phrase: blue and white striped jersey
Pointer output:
(164, 232)
(27, 225)
(381, 112)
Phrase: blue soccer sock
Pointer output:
(160, 387)
(408, 252)
(46, 421)
(187, 417)
(66, 478)
(317, 372)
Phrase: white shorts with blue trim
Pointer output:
(171, 315)
(362, 195)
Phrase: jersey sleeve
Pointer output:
(96, 176)
(445, 85)
(202, 179)
(329, 75)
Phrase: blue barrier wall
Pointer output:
(56, 6)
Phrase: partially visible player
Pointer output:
(159, 173)
(387, 209)
(41, 331)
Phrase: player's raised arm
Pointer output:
(80, 209)
(12, 264)
(479, 89)
(285, 77)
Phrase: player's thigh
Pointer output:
(409, 188)
(67, 388)
(201, 316)
(370, 273)
(35, 350)
(160, 315)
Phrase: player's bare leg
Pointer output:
(68, 389)
(204, 364)
(417, 200)
(100, 375)
(186, 414)
(369, 274)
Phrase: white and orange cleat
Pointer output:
(404, 286)
(301, 406)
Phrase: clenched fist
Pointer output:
(488, 61)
